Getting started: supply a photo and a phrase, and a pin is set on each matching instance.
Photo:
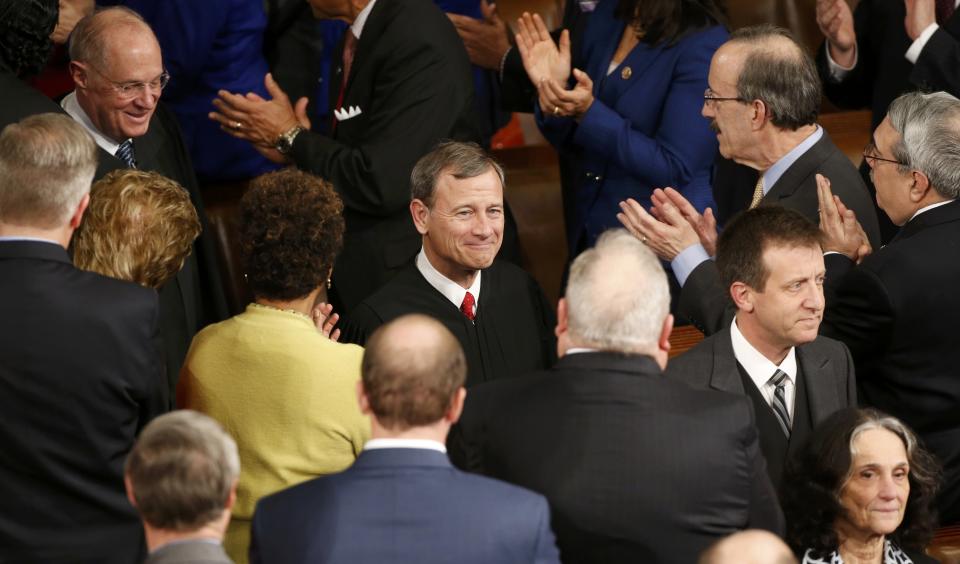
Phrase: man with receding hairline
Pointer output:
(118, 73)
(402, 501)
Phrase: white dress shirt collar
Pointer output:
(761, 369)
(450, 289)
(928, 208)
(357, 26)
(72, 107)
(374, 444)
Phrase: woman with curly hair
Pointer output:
(861, 492)
(274, 376)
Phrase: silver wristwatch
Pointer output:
(284, 143)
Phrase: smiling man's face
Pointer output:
(131, 56)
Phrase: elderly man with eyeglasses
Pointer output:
(762, 100)
(898, 308)
(118, 72)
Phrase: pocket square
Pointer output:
(344, 114)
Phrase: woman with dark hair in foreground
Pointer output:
(861, 491)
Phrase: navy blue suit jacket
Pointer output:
(644, 129)
(403, 505)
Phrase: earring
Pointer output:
(328, 284)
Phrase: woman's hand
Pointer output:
(557, 102)
(541, 57)
(325, 320)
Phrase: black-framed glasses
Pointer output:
(871, 155)
(134, 89)
(710, 98)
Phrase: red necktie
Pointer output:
(467, 306)
(349, 49)
(945, 9)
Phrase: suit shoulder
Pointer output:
(113, 290)
(505, 495)
(826, 346)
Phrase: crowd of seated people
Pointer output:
(399, 389)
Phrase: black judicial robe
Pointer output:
(511, 335)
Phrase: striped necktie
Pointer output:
(779, 404)
(125, 153)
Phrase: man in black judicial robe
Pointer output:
(495, 309)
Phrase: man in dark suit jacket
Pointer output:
(79, 369)
(495, 309)
(883, 49)
(637, 467)
(763, 101)
(407, 86)
(897, 309)
(119, 106)
(182, 478)
(772, 264)
(402, 501)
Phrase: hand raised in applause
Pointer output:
(920, 14)
(667, 236)
(486, 40)
(559, 102)
(705, 224)
(842, 232)
(325, 320)
(542, 58)
(835, 20)
(252, 118)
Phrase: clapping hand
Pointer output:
(486, 40)
(836, 23)
(667, 235)
(542, 58)
(325, 320)
(555, 100)
(842, 232)
(705, 225)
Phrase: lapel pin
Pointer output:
(626, 73)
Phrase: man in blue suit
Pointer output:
(402, 501)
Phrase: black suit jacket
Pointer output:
(897, 311)
(703, 299)
(79, 377)
(636, 467)
(825, 365)
(411, 80)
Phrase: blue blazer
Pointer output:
(403, 505)
(644, 129)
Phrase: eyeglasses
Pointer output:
(135, 89)
(711, 99)
(870, 153)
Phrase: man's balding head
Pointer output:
(413, 369)
(749, 547)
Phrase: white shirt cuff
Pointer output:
(690, 258)
(913, 53)
(838, 73)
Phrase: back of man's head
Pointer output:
(182, 472)
(748, 547)
(929, 128)
(47, 162)
(742, 243)
(412, 371)
(778, 71)
(617, 296)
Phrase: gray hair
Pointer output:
(617, 295)
(779, 72)
(88, 39)
(182, 470)
(461, 160)
(47, 162)
(929, 128)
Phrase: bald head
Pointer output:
(768, 64)
(105, 33)
(749, 547)
(412, 370)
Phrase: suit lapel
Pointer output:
(725, 376)
(823, 395)
(373, 29)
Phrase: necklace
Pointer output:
(293, 311)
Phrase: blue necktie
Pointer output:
(125, 153)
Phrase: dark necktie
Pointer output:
(349, 49)
(467, 306)
(945, 9)
(779, 404)
(125, 153)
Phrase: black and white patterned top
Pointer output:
(891, 555)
